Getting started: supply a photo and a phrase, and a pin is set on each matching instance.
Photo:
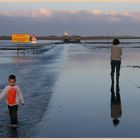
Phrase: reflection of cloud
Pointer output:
(79, 22)
(21, 59)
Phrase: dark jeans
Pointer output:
(13, 114)
(115, 65)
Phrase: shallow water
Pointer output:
(68, 93)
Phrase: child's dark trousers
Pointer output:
(13, 114)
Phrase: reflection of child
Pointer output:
(13, 97)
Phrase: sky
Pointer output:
(79, 17)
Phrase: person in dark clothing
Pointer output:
(116, 53)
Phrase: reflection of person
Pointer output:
(116, 53)
(116, 109)
(12, 133)
(13, 97)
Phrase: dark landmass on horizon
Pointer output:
(53, 37)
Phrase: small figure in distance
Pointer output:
(14, 96)
(116, 53)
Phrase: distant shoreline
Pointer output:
(53, 37)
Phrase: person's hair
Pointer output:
(12, 77)
(116, 42)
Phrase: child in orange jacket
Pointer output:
(13, 97)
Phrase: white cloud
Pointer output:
(91, 14)
(78, 22)
(34, 13)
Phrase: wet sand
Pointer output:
(68, 93)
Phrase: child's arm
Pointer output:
(20, 94)
(3, 93)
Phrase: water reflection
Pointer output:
(116, 108)
(13, 133)
(21, 59)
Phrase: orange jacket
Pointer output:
(13, 95)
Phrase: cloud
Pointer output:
(48, 21)
(65, 1)
(112, 16)
(34, 13)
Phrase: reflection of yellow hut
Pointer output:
(33, 39)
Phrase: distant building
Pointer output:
(33, 39)
(66, 33)
(66, 37)
(71, 39)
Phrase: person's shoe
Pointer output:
(14, 126)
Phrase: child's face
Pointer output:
(12, 82)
